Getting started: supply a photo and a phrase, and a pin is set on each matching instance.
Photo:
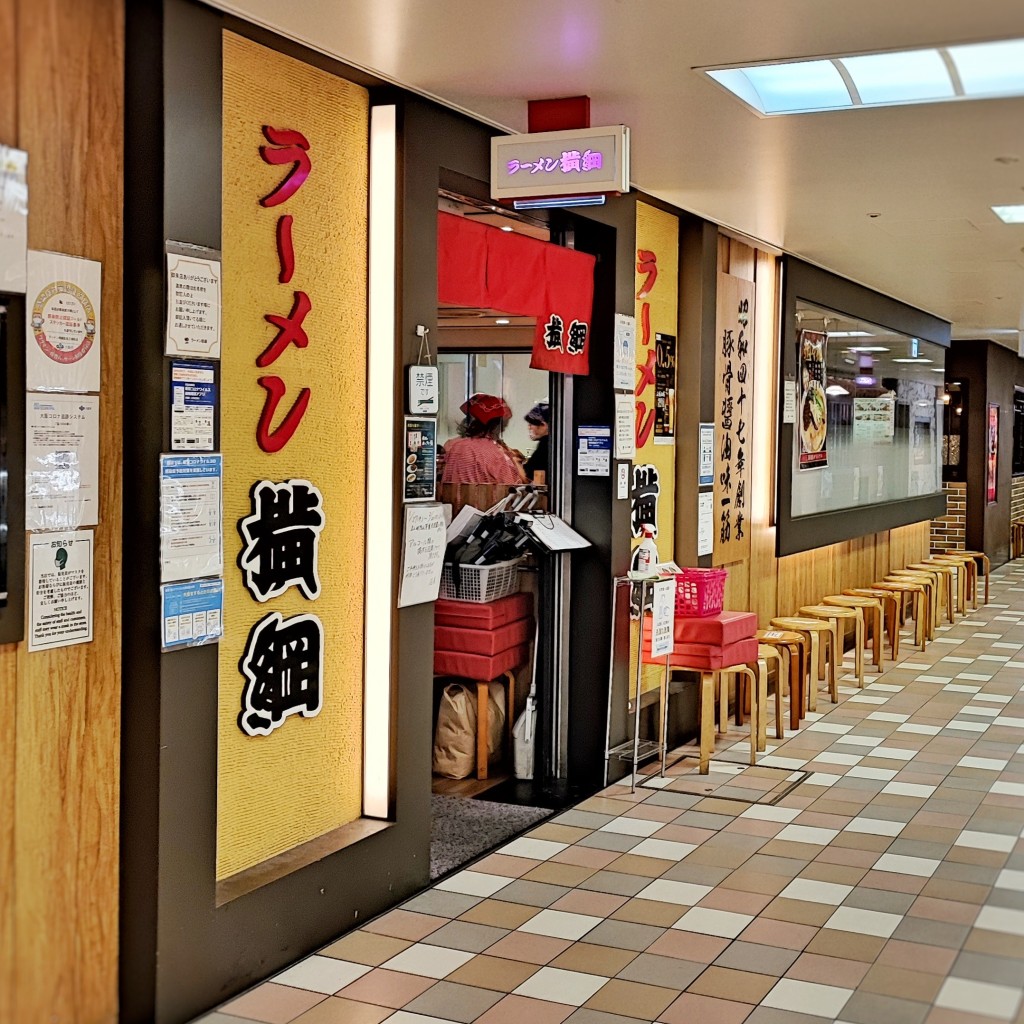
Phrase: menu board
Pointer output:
(734, 414)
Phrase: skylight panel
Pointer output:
(913, 76)
(805, 85)
(990, 69)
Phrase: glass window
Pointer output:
(869, 417)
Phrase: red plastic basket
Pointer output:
(700, 592)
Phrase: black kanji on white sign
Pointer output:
(282, 538)
(283, 665)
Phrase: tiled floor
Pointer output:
(886, 887)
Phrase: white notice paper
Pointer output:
(789, 401)
(13, 219)
(423, 546)
(624, 373)
(62, 332)
(191, 543)
(625, 412)
(663, 618)
(193, 306)
(705, 523)
(60, 591)
(62, 461)
(623, 489)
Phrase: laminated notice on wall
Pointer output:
(193, 404)
(60, 590)
(191, 542)
(62, 460)
(192, 614)
(63, 324)
(193, 304)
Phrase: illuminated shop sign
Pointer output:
(583, 161)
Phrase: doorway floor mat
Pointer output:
(462, 829)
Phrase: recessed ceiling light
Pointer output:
(850, 334)
(506, 227)
(868, 348)
(1013, 214)
(836, 389)
(919, 359)
(502, 322)
(890, 78)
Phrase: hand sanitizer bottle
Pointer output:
(647, 551)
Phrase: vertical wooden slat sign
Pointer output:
(734, 417)
(293, 435)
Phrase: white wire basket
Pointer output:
(481, 583)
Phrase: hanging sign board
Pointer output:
(581, 161)
(420, 458)
(61, 591)
(423, 390)
(193, 305)
(63, 324)
(13, 219)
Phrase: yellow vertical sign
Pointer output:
(293, 408)
(653, 484)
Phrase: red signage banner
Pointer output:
(493, 269)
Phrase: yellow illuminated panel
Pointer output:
(304, 779)
(657, 312)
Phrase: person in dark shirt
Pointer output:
(538, 420)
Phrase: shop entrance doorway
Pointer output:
(483, 357)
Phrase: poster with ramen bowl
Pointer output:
(812, 410)
(63, 323)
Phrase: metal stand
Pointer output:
(635, 751)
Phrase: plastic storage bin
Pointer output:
(480, 582)
(700, 591)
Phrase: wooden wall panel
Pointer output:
(63, 61)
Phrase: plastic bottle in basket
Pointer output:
(647, 550)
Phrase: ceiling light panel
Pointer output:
(1010, 214)
(975, 71)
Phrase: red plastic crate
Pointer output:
(700, 591)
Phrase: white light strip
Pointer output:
(379, 457)
(554, 202)
(889, 78)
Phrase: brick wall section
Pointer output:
(948, 531)
(1017, 499)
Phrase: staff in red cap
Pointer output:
(478, 455)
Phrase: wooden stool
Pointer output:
(959, 569)
(945, 575)
(917, 594)
(890, 605)
(795, 647)
(980, 558)
(709, 679)
(927, 582)
(780, 655)
(871, 609)
(1017, 538)
(968, 570)
(837, 616)
(821, 640)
